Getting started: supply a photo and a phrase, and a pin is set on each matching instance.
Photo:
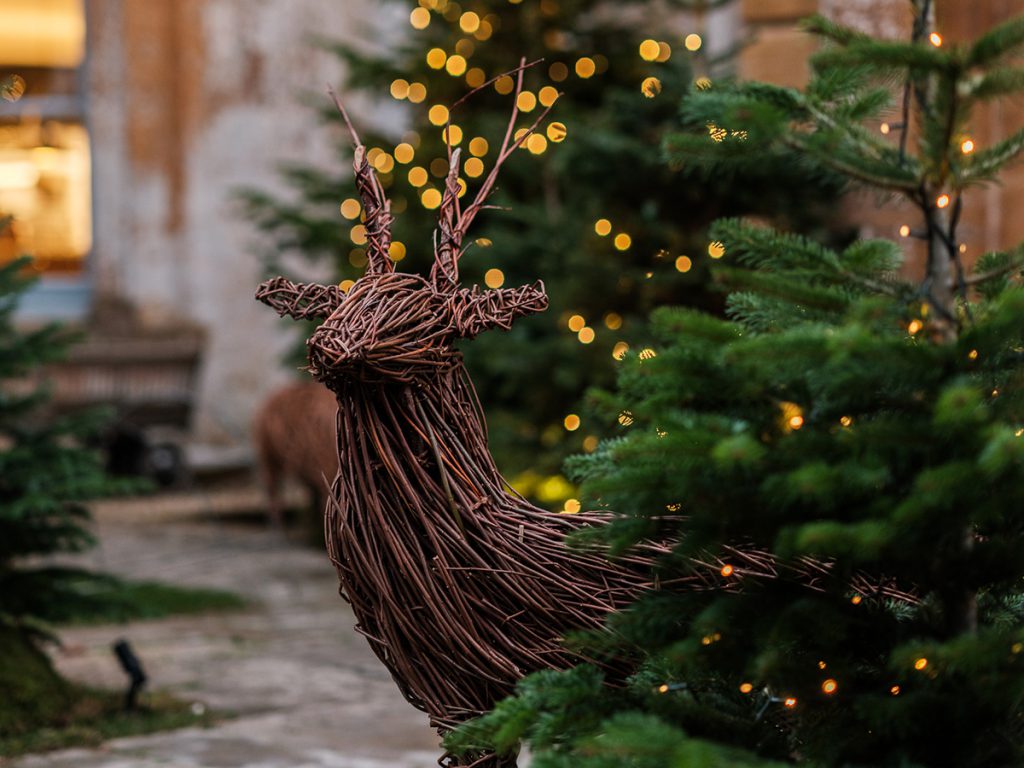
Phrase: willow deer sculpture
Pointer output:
(459, 584)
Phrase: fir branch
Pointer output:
(999, 41)
(987, 162)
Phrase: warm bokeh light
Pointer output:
(417, 92)
(474, 167)
(585, 67)
(829, 687)
(556, 132)
(571, 422)
(430, 198)
(436, 58)
(475, 77)
(358, 234)
(504, 85)
(526, 101)
(418, 176)
(400, 87)
(746, 687)
(935, 39)
(576, 322)
(649, 50)
(590, 443)
(419, 18)
(494, 278)
(967, 146)
(613, 321)
(693, 42)
(438, 114)
(396, 250)
(942, 200)
(603, 227)
(572, 506)
(456, 65)
(452, 135)
(716, 249)
(404, 153)
(350, 208)
(623, 241)
(547, 96)
(558, 71)
(469, 22)
(727, 570)
(684, 264)
(478, 146)
(664, 52)
(619, 350)
(920, 664)
(536, 144)
(586, 335)
(650, 87)
(904, 231)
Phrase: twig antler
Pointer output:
(376, 205)
(453, 221)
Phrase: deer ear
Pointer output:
(474, 310)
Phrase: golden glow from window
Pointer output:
(45, 187)
(42, 33)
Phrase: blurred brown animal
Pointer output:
(294, 434)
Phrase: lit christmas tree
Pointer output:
(864, 431)
(589, 204)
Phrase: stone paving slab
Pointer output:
(306, 689)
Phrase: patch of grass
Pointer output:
(58, 595)
(97, 716)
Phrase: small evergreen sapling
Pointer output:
(865, 429)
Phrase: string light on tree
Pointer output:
(829, 687)
(904, 231)
(967, 146)
(884, 128)
(935, 39)
(942, 200)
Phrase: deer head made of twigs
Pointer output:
(399, 326)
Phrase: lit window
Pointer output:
(44, 146)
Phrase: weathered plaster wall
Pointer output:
(190, 100)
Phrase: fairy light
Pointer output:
(526, 101)
(693, 42)
(829, 687)
(647, 353)
(571, 422)
(904, 231)
(475, 77)
(474, 167)
(439, 167)
(585, 335)
(716, 249)
(558, 71)
(419, 18)
(884, 129)
(556, 132)
(357, 234)
(504, 85)
(469, 22)
(649, 50)
(650, 87)
(935, 39)
(452, 135)
(623, 241)
(456, 65)
(746, 687)
(585, 67)
(430, 198)
(626, 418)
(920, 663)
(613, 321)
(417, 92)
(914, 327)
(603, 227)
(702, 83)
(590, 443)
(1016, 648)
(494, 278)
(404, 153)
(346, 284)
(572, 506)
(619, 350)
(436, 58)
(856, 599)
(789, 702)
(438, 114)
(727, 570)
(400, 87)
(350, 208)
(576, 323)
(822, 665)
(396, 251)
(663, 688)
(967, 146)
(664, 52)
(536, 144)
(972, 355)
(547, 96)
(384, 162)
(846, 421)
(942, 200)
(417, 176)
(483, 242)
(684, 264)
(895, 690)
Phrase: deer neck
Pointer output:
(425, 438)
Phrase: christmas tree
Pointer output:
(840, 461)
(589, 205)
